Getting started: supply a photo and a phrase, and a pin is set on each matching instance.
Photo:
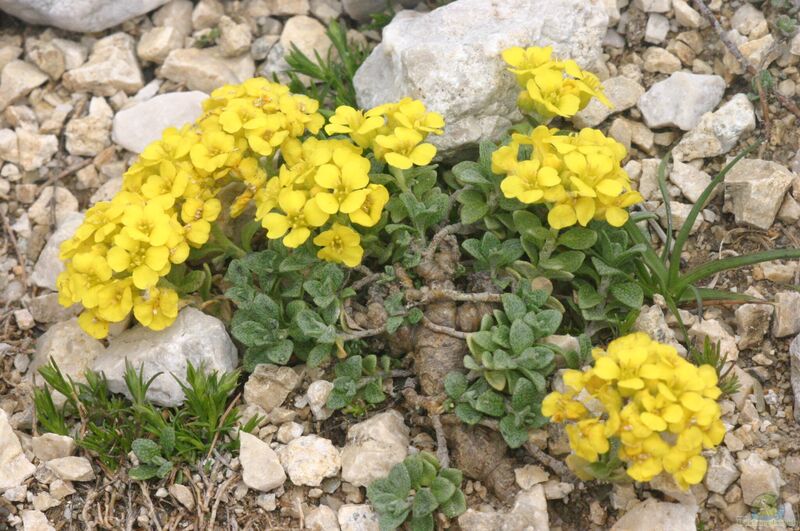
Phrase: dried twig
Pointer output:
(551, 462)
(441, 441)
(362, 334)
(438, 237)
(218, 498)
(146, 494)
(426, 295)
(64, 174)
(17, 250)
(221, 421)
(452, 332)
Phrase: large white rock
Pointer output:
(17, 80)
(310, 459)
(681, 100)
(35, 520)
(85, 16)
(529, 513)
(450, 59)
(48, 266)
(194, 337)
(72, 468)
(758, 478)
(14, 466)
(261, 468)
(374, 447)
(137, 126)
(718, 132)
(655, 515)
(756, 188)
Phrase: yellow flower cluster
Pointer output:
(551, 88)
(579, 175)
(661, 408)
(116, 258)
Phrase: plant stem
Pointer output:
(400, 178)
(549, 245)
(225, 243)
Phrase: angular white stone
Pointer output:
(194, 337)
(654, 514)
(756, 188)
(310, 459)
(14, 466)
(374, 447)
(137, 126)
(718, 132)
(82, 16)
(681, 100)
(450, 59)
(112, 66)
(261, 468)
(48, 266)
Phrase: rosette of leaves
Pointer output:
(286, 304)
(516, 414)
(416, 205)
(414, 490)
(359, 383)
(509, 347)
(152, 463)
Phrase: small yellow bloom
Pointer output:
(340, 244)
(371, 209)
(92, 324)
(404, 148)
(156, 308)
(299, 216)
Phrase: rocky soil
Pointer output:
(85, 86)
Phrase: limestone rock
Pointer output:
(660, 60)
(655, 515)
(156, 43)
(261, 468)
(137, 126)
(206, 14)
(72, 468)
(752, 323)
(71, 348)
(321, 518)
(718, 132)
(46, 309)
(194, 337)
(17, 80)
(111, 67)
(787, 314)
(621, 91)
(175, 14)
(46, 211)
(679, 213)
(307, 33)
(35, 520)
(317, 397)
(357, 518)
(529, 513)
(310, 459)
(374, 447)
(758, 478)
(450, 59)
(361, 10)
(88, 136)
(50, 446)
(45, 55)
(14, 466)
(681, 100)
(82, 16)
(234, 38)
(35, 150)
(205, 69)
(756, 189)
(722, 471)
(183, 494)
(716, 333)
(691, 181)
(48, 266)
(269, 385)
(794, 360)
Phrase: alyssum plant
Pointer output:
(474, 273)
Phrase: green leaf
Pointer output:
(422, 523)
(491, 403)
(145, 450)
(455, 383)
(497, 379)
(453, 475)
(514, 435)
(629, 293)
(164, 469)
(424, 503)
(319, 355)
(521, 336)
(514, 306)
(310, 323)
(469, 172)
(442, 489)
(388, 521)
(578, 238)
(527, 223)
(373, 392)
(349, 368)
(277, 353)
(399, 481)
(545, 323)
(143, 472)
(473, 206)
(467, 414)
(167, 439)
(568, 261)
(393, 323)
(455, 506)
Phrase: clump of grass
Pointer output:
(331, 77)
(111, 426)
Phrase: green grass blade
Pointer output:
(710, 294)
(683, 234)
(662, 186)
(651, 259)
(711, 268)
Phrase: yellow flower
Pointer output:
(371, 209)
(213, 150)
(146, 263)
(587, 439)
(346, 179)
(527, 181)
(646, 458)
(299, 216)
(92, 324)
(560, 407)
(525, 61)
(115, 301)
(156, 308)
(687, 469)
(340, 244)
(349, 121)
(404, 148)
